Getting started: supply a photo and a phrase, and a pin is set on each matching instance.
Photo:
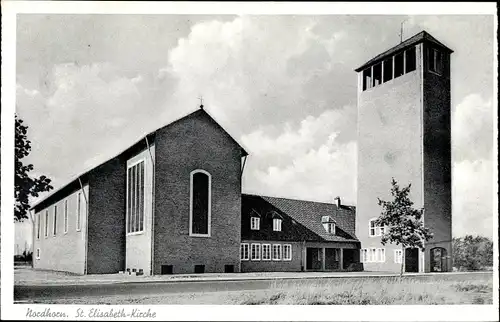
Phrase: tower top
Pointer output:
(422, 36)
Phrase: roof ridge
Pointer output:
(292, 199)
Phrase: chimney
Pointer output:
(337, 202)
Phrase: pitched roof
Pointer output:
(70, 186)
(308, 214)
(418, 38)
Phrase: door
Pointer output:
(438, 259)
(411, 260)
(313, 259)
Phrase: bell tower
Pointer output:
(404, 131)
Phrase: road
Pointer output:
(47, 292)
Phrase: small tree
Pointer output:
(24, 185)
(403, 223)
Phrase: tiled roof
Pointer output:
(418, 38)
(306, 214)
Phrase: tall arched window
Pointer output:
(201, 203)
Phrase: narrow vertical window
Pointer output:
(255, 250)
(266, 252)
(287, 252)
(398, 256)
(46, 233)
(435, 61)
(276, 252)
(367, 78)
(38, 253)
(200, 211)
(254, 223)
(377, 74)
(277, 224)
(411, 59)
(66, 216)
(78, 211)
(388, 69)
(135, 198)
(399, 65)
(244, 253)
(38, 219)
(55, 221)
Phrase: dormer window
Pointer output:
(328, 224)
(330, 228)
(254, 223)
(276, 224)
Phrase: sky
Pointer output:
(283, 86)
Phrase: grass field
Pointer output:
(445, 289)
(380, 292)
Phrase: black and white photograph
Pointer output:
(247, 156)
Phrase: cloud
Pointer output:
(472, 152)
(252, 70)
(472, 128)
(308, 162)
(473, 197)
(84, 116)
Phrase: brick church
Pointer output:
(173, 203)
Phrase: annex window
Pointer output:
(276, 224)
(54, 230)
(388, 69)
(380, 255)
(377, 74)
(376, 230)
(38, 253)
(363, 253)
(200, 210)
(399, 65)
(287, 252)
(367, 78)
(435, 61)
(255, 252)
(79, 212)
(244, 252)
(254, 223)
(38, 219)
(266, 252)
(276, 252)
(372, 255)
(411, 59)
(46, 223)
(135, 198)
(65, 216)
(398, 256)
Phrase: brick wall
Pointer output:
(196, 142)
(437, 158)
(106, 231)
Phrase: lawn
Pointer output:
(427, 290)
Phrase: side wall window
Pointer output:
(200, 208)
(135, 198)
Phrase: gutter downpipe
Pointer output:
(86, 226)
(153, 188)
